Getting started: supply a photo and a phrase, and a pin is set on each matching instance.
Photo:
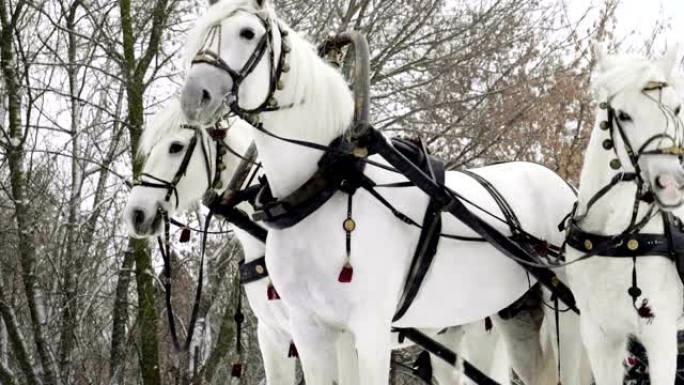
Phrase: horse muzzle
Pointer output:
(669, 190)
(142, 223)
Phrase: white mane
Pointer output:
(625, 72)
(164, 123)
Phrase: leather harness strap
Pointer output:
(429, 234)
(253, 271)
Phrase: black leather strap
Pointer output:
(333, 171)
(429, 234)
(253, 271)
(629, 245)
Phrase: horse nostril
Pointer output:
(206, 96)
(138, 217)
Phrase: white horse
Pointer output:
(164, 145)
(640, 112)
(467, 280)
(242, 41)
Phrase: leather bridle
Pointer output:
(644, 190)
(213, 181)
(207, 56)
(170, 186)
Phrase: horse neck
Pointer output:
(613, 212)
(323, 109)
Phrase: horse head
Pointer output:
(182, 162)
(640, 122)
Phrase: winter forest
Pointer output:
(82, 303)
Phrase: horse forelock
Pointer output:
(631, 73)
(213, 16)
(165, 122)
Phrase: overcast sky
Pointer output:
(637, 18)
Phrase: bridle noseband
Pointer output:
(207, 56)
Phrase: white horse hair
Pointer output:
(467, 281)
(483, 349)
(601, 284)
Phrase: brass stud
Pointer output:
(555, 281)
(259, 269)
(222, 166)
(349, 225)
(615, 164)
(272, 102)
(222, 151)
(280, 85)
(588, 245)
(286, 67)
(603, 105)
(218, 185)
(360, 152)
(604, 125)
(607, 144)
(632, 244)
(286, 48)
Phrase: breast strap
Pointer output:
(669, 244)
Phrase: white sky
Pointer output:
(636, 19)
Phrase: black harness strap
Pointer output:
(428, 239)
(504, 206)
(253, 271)
(444, 353)
(670, 244)
(333, 171)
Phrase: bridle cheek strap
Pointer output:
(207, 56)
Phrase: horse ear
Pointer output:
(600, 54)
(261, 3)
(670, 60)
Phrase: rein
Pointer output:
(213, 181)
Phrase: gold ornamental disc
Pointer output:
(633, 244)
(259, 269)
(349, 225)
(588, 245)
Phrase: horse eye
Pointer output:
(247, 33)
(623, 116)
(678, 109)
(176, 147)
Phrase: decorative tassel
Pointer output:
(293, 351)
(346, 273)
(631, 361)
(349, 225)
(236, 370)
(488, 324)
(272, 293)
(185, 235)
(645, 311)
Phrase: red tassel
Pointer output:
(185, 235)
(488, 324)
(645, 311)
(631, 361)
(346, 273)
(293, 351)
(236, 370)
(272, 293)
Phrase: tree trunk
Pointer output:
(15, 161)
